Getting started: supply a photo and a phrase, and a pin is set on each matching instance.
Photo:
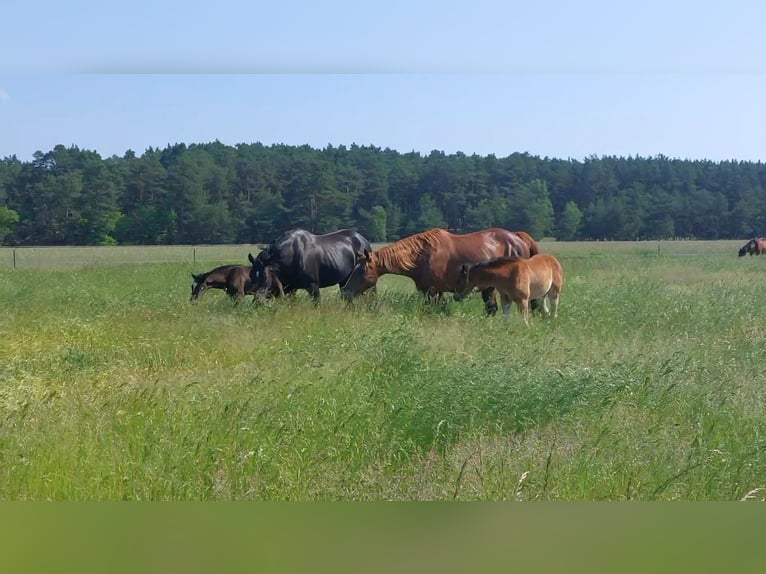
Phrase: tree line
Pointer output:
(249, 193)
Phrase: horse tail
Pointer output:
(530, 242)
(518, 249)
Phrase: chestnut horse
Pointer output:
(756, 245)
(432, 260)
(517, 280)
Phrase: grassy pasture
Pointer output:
(649, 386)
(201, 255)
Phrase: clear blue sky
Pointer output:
(557, 79)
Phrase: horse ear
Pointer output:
(250, 257)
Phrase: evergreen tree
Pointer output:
(429, 215)
(372, 224)
(569, 222)
(8, 218)
(212, 192)
(530, 209)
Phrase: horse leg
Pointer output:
(507, 304)
(275, 287)
(545, 309)
(237, 295)
(433, 297)
(490, 302)
(554, 297)
(313, 290)
(523, 305)
(535, 305)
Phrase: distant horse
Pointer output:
(302, 260)
(432, 260)
(234, 280)
(755, 246)
(517, 280)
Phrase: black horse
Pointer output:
(235, 281)
(755, 246)
(213, 279)
(302, 260)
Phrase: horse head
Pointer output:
(749, 247)
(363, 276)
(197, 286)
(261, 273)
(463, 285)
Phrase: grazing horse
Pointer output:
(756, 245)
(432, 260)
(302, 260)
(213, 279)
(517, 280)
(234, 280)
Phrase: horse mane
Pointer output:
(406, 252)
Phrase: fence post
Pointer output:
(658, 247)
(194, 255)
(14, 258)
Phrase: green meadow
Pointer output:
(650, 385)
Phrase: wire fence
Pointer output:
(671, 248)
(202, 255)
(68, 257)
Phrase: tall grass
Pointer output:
(649, 386)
